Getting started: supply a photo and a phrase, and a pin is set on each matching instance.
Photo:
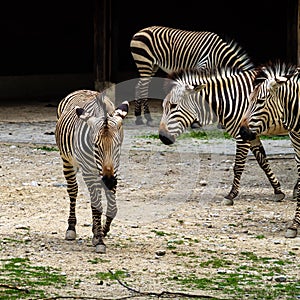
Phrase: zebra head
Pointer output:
(180, 108)
(107, 138)
(267, 112)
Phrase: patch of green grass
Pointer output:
(238, 285)
(21, 280)
(215, 263)
(260, 236)
(274, 137)
(49, 149)
(9, 240)
(149, 136)
(98, 260)
(254, 279)
(118, 274)
(160, 233)
(213, 134)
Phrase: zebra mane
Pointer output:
(274, 70)
(104, 104)
(192, 76)
(240, 56)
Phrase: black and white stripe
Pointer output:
(89, 135)
(172, 49)
(219, 95)
(274, 105)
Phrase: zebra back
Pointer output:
(172, 49)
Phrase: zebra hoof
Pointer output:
(139, 121)
(70, 235)
(101, 248)
(227, 202)
(291, 233)
(279, 197)
(150, 124)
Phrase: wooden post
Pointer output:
(293, 40)
(102, 44)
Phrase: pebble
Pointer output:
(160, 252)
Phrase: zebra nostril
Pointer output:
(166, 138)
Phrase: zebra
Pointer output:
(211, 96)
(89, 135)
(275, 103)
(170, 49)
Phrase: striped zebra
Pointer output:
(275, 103)
(215, 96)
(89, 135)
(170, 49)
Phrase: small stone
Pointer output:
(160, 252)
(280, 278)
(134, 226)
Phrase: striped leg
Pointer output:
(138, 111)
(141, 93)
(260, 155)
(111, 210)
(72, 188)
(94, 186)
(242, 149)
(293, 229)
(97, 231)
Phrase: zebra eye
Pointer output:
(173, 105)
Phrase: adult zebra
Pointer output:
(219, 95)
(275, 102)
(89, 136)
(170, 49)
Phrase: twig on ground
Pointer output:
(163, 293)
(13, 287)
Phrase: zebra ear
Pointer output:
(198, 88)
(122, 110)
(276, 83)
(82, 114)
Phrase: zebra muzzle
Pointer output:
(166, 138)
(110, 181)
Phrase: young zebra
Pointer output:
(275, 103)
(219, 95)
(171, 49)
(89, 135)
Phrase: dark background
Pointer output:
(49, 38)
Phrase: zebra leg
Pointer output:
(293, 229)
(141, 96)
(111, 210)
(138, 112)
(72, 188)
(295, 190)
(260, 155)
(147, 113)
(94, 186)
(242, 149)
(97, 240)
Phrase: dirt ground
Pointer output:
(170, 227)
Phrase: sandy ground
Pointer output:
(170, 219)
